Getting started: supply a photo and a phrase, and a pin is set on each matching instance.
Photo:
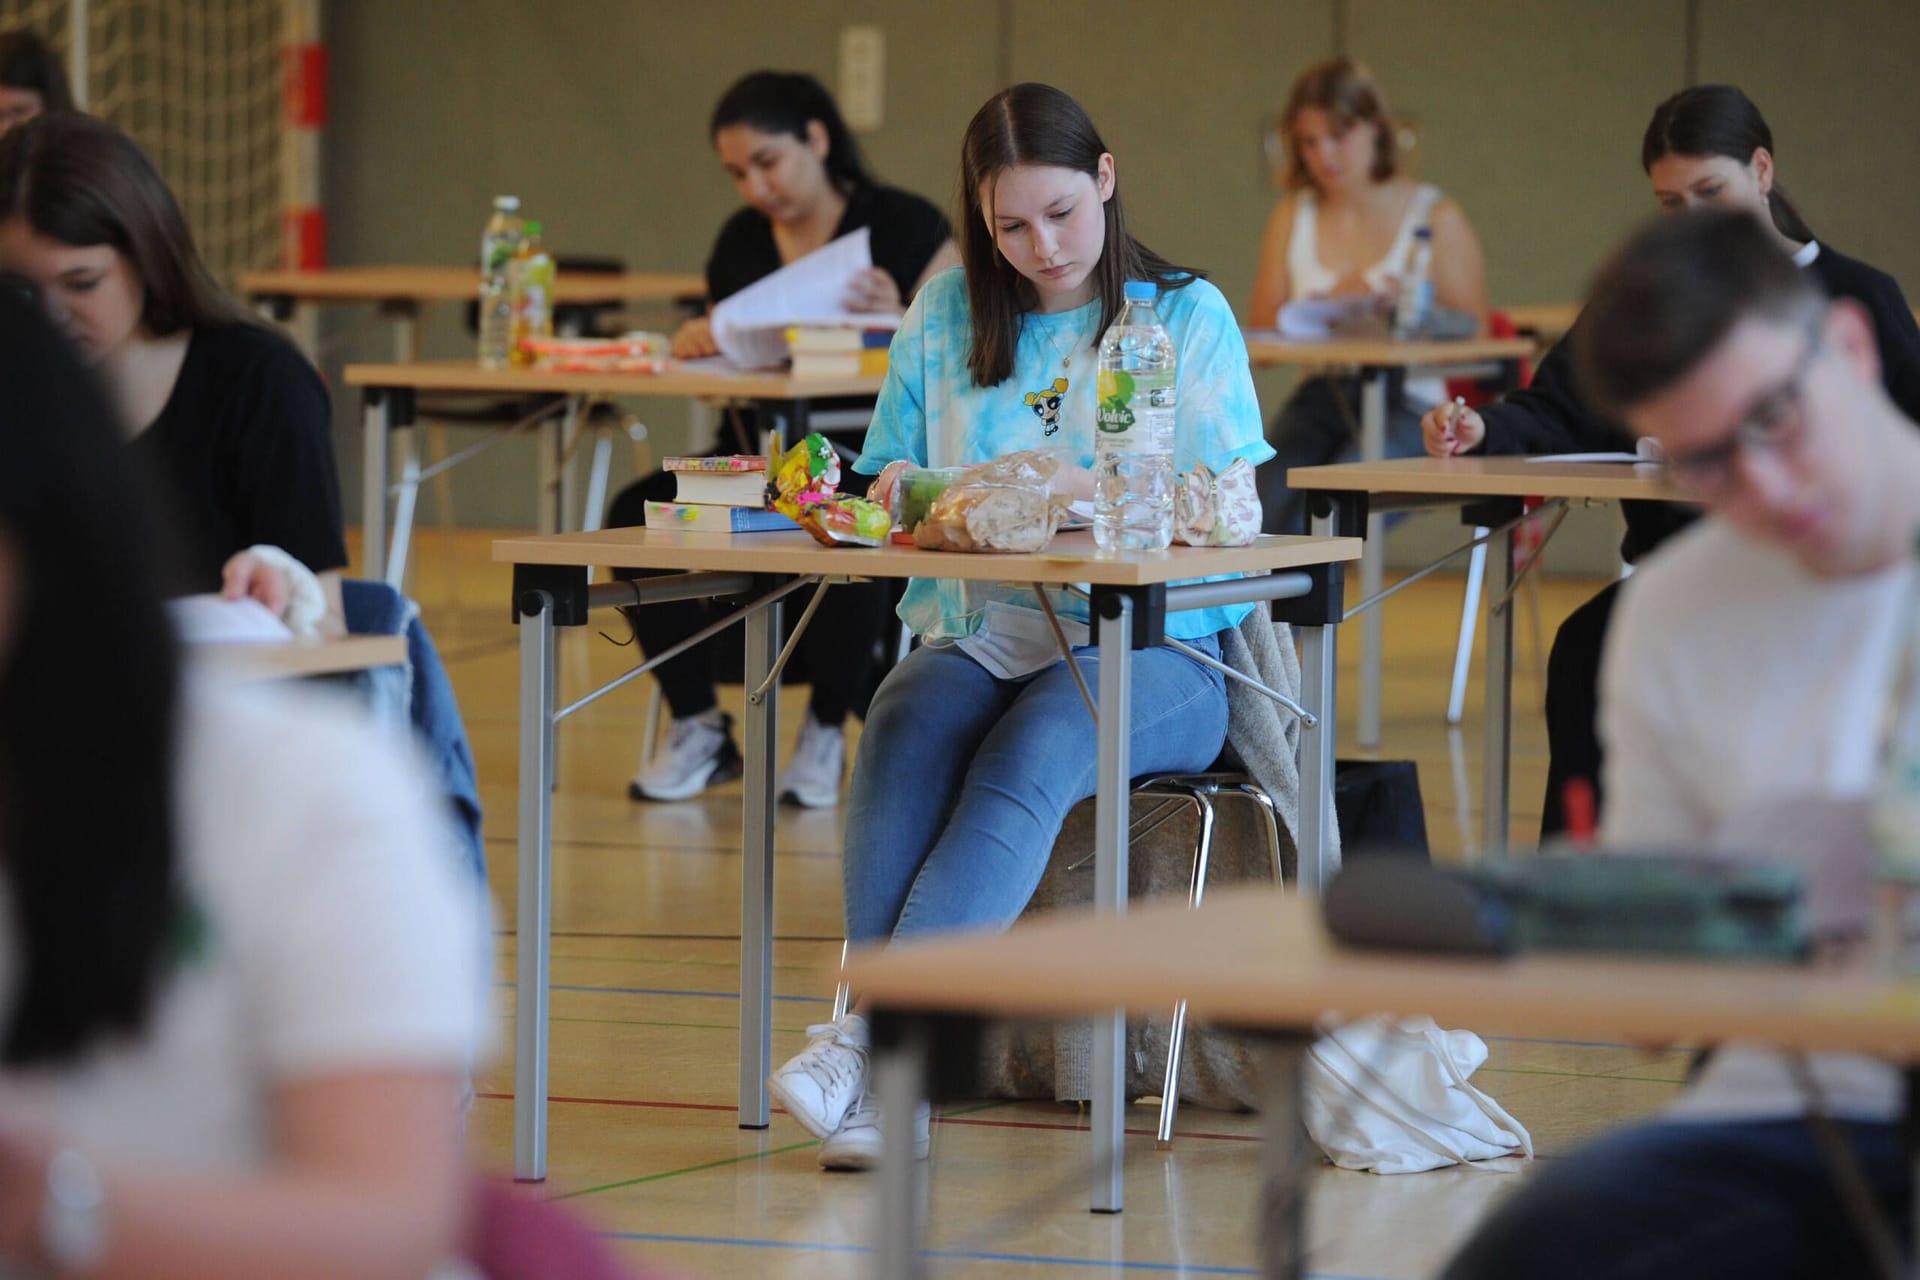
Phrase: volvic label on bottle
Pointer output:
(1119, 397)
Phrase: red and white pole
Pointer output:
(303, 220)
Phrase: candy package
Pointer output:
(635, 352)
(806, 481)
(1007, 505)
(1216, 510)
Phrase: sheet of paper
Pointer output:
(1317, 319)
(1645, 451)
(750, 327)
(210, 619)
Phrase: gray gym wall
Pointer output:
(1527, 111)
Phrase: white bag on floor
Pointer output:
(1391, 1095)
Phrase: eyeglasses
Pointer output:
(1774, 424)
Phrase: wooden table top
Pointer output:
(1265, 347)
(1548, 320)
(1504, 477)
(330, 655)
(461, 284)
(684, 380)
(1552, 320)
(1070, 557)
(1256, 957)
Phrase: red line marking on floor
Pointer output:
(991, 1124)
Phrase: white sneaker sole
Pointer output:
(695, 783)
(810, 799)
(811, 1121)
(860, 1159)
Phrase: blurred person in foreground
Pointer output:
(240, 975)
(1741, 689)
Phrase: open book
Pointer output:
(212, 619)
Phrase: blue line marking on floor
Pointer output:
(966, 1255)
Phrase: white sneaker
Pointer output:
(812, 776)
(699, 753)
(857, 1144)
(821, 1083)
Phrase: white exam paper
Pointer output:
(750, 327)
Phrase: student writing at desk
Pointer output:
(1705, 147)
(1344, 230)
(225, 411)
(978, 743)
(1748, 663)
(781, 139)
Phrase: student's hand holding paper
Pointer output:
(693, 340)
(1452, 428)
(874, 291)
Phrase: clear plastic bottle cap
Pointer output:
(507, 203)
(1141, 291)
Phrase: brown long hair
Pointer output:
(1348, 92)
(1719, 120)
(80, 181)
(1037, 124)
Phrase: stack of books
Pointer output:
(838, 351)
(727, 494)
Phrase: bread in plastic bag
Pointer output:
(1007, 505)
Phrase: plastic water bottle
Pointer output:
(1896, 804)
(498, 243)
(530, 283)
(1133, 429)
(1413, 312)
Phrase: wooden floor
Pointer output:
(644, 1008)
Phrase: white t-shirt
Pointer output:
(1735, 682)
(337, 932)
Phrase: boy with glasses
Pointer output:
(1744, 674)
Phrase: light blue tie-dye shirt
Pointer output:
(932, 415)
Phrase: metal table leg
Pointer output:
(1496, 783)
(1285, 1163)
(1112, 774)
(1373, 447)
(756, 871)
(899, 1082)
(377, 421)
(535, 916)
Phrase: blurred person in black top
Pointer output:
(1707, 146)
(780, 137)
(228, 412)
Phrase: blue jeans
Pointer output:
(962, 779)
(426, 695)
(1751, 1198)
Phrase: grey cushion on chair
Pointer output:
(1039, 1061)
